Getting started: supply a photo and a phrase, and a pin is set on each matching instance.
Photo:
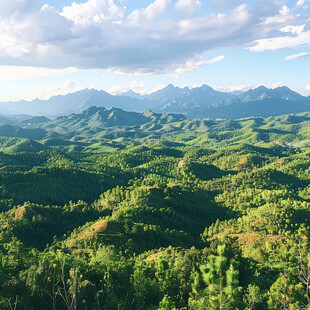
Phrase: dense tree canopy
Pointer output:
(178, 220)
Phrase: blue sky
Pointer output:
(52, 47)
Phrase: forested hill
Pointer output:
(96, 118)
(117, 128)
(108, 209)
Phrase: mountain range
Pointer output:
(199, 102)
(101, 129)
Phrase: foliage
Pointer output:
(162, 218)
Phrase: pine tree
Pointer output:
(221, 278)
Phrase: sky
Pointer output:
(53, 47)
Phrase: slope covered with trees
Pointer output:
(155, 211)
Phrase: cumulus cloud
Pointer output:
(302, 3)
(100, 34)
(307, 87)
(140, 16)
(283, 17)
(18, 8)
(293, 31)
(188, 5)
(29, 28)
(93, 11)
(297, 56)
(194, 64)
(216, 26)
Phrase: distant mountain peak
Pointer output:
(171, 86)
(132, 94)
(258, 90)
(261, 87)
(262, 92)
(205, 86)
(284, 87)
(174, 99)
(168, 92)
(128, 92)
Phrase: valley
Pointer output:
(109, 209)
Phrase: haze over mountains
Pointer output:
(199, 102)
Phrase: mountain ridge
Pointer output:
(198, 102)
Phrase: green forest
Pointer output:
(153, 212)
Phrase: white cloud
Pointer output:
(307, 87)
(216, 26)
(68, 86)
(138, 87)
(290, 30)
(93, 11)
(284, 10)
(284, 16)
(195, 64)
(275, 85)
(99, 34)
(188, 5)
(13, 73)
(156, 88)
(10, 8)
(230, 89)
(70, 83)
(302, 3)
(30, 27)
(214, 60)
(297, 56)
(295, 30)
(155, 9)
(282, 42)
(244, 88)
(191, 65)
